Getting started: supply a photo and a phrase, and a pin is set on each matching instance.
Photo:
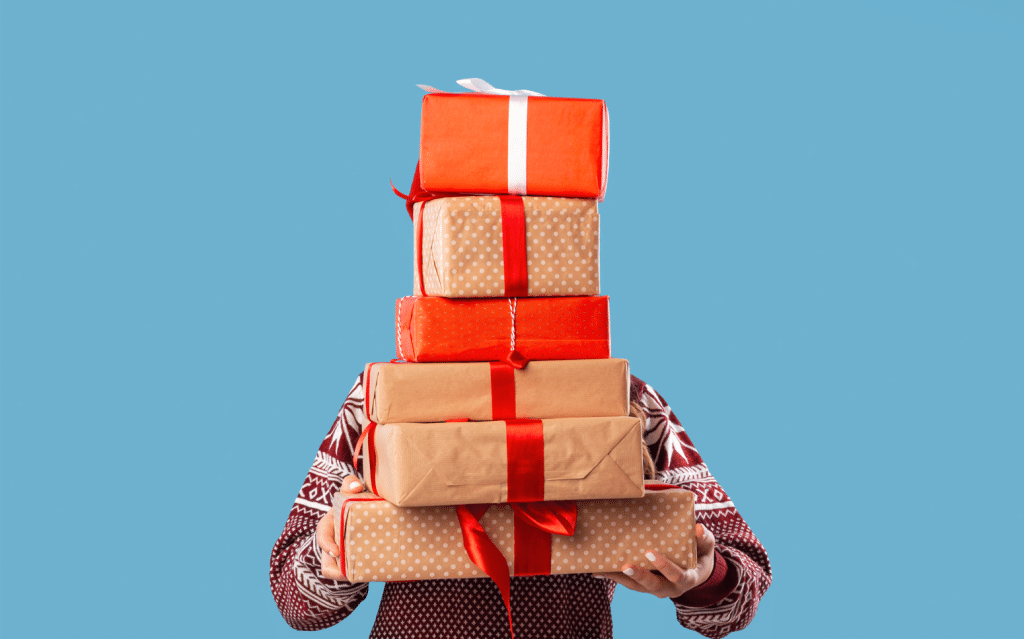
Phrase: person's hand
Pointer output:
(325, 532)
(673, 580)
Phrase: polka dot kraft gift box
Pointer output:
(438, 329)
(485, 246)
(383, 542)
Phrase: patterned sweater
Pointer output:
(542, 606)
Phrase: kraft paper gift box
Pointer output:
(488, 246)
(523, 145)
(438, 329)
(485, 391)
(383, 542)
(516, 460)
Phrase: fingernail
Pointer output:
(334, 554)
(353, 487)
(628, 571)
(650, 556)
(599, 577)
(700, 531)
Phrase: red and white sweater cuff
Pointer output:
(724, 578)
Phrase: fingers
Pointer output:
(669, 570)
(325, 532)
(329, 549)
(351, 485)
(329, 568)
(620, 578)
(325, 536)
(673, 580)
(705, 540)
(648, 581)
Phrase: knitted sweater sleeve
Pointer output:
(308, 600)
(728, 600)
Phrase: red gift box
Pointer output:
(438, 329)
(519, 144)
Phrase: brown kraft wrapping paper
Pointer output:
(461, 247)
(384, 542)
(435, 392)
(451, 463)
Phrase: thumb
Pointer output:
(705, 540)
(351, 484)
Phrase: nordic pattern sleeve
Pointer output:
(307, 600)
(678, 462)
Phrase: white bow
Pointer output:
(481, 86)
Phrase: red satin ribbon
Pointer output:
(524, 440)
(341, 529)
(503, 391)
(418, 243)
(513, 234)
(368, 435)
(369, 432)
(513, 241)
(416, 192)
(543, 519)
(516, 360)
(653, 485)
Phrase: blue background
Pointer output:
(812, 243)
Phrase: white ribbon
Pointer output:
(482, 86)
(517, 111)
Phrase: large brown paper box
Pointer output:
(383, 542)
(435, 392)
(459, 247)
(465, 462)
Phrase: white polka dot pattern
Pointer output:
(387, 543)
(463, 252)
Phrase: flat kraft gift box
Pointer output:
(509, 246)
(518, 144)
(485, 391)
(516, 460)
(383, 542)
(438, 329)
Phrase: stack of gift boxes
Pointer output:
(501, 442)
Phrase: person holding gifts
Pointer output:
(508, 319)
(718, 597)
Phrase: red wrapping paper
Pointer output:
(464, 145)
(437, 329)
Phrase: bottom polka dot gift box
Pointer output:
(383, 542)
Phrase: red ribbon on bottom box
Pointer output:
(533, 525)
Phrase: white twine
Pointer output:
(512, 310)
(398, 327)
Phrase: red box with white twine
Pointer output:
(438, 329)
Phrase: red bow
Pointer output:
(533, 525)
(416, 192)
